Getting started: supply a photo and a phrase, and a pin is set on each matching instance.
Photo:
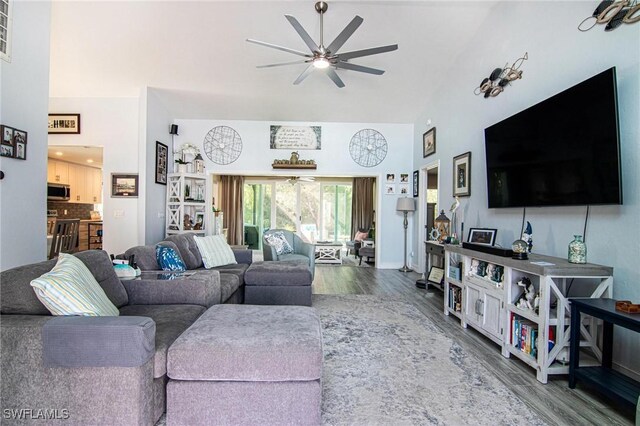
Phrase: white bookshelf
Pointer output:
(490, 307)
(188, 194)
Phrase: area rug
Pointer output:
(386, 363)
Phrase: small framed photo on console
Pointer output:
(484, 236)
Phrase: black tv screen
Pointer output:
(562, 151)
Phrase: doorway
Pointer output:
(75, 192)
(429, 207)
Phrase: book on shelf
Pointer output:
(455, 298)
(524, 334)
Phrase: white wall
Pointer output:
(111, 123)
(24, 99)
(157, 122)
(333, 160)
(560, 56)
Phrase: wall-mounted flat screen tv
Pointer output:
(562, 151)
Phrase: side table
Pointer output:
(616, 385)
(432, 249)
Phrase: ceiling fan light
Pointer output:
(321, 63)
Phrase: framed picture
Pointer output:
(416, 177)
(64, 124)
(391, 177)
(404, 177)
(462, 175)
(162, 156)
(404, 188)
(296, 137)
(436, 275)
(199, 220)
(20, 144)
(429, 142)
(390, 189)
(484, 236)
(7, 147)
(124, 185)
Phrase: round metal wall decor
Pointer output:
(222, 145)
(368, 148)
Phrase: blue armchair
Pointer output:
(302, 251)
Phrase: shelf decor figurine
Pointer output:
(577, 250)
(443, 225)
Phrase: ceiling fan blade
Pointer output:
(302, 32)
(345, 34)
(284, 63)
(284, 49)
(333, 75)
(367, 52)
(354, 67)
(304, 74)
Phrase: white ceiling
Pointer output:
(196, 56)
(77, 154)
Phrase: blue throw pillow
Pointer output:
(279, 242)
(168, 259)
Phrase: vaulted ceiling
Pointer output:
(196, 56)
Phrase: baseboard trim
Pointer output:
(627, 371)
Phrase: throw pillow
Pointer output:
(168, 259)
(215, 251)
(279, 242)
(361, 236)
(70, 289)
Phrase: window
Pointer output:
(320, 211)
(5, 30)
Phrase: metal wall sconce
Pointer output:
(613, 13)
(500, 77)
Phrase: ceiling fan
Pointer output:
(327, 58)
(295, 179)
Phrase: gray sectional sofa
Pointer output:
(231, 276)
(100, 370)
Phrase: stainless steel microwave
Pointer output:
(58, 192)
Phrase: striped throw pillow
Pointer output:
(70, 289)
(215, 251)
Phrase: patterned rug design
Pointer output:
(386, 363)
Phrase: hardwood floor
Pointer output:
(554, 402)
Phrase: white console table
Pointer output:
(490, 308)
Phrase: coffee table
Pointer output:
(328, 252)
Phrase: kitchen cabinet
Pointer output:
(85, 183)
(57, 172)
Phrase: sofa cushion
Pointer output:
(229, 283)
(249, 343)
(169, 259)
(187, 248)
(145, 257)
(70, 289)
(237, 269)
(171, 321)
(275, 273)
(17, 295)
(279, 242)
(101, 268)
(215, 251)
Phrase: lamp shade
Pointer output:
(405, 204)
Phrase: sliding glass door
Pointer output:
(319, 211)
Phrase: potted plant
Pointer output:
(182, 165)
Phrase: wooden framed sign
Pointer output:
(296, 137)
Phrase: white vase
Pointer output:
(182, 168)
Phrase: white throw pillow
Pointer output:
(70, 289)
(215, 251)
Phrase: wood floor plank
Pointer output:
(554, 402)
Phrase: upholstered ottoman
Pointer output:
(247, 364)
(277, 283)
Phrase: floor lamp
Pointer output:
(405, 205)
